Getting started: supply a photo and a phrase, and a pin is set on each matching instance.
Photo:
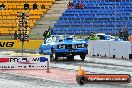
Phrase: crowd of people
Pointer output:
(79, 5)
(35, 6)
(26, 6)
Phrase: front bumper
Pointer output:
(68, 52)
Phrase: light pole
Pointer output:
(80, 26)
(115, 18)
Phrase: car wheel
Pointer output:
(82, 56)
(70, 57)
(81, 80)
(54, 56)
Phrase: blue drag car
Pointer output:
(64, 46)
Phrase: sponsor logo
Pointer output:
(103, 78)
(6, 44)
(24, 60)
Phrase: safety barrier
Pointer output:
(113, 49)
(25, 62)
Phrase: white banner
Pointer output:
(21, 62)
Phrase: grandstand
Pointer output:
(108, 16)
(8, 16)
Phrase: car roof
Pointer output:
(100, 34)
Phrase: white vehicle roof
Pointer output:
(55, 38)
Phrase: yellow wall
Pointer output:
(32, 44)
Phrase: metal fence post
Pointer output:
(48, 67)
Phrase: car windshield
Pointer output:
(111, 37)
(57, 38)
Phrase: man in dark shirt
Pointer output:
(15, 35)
(35, 6)
(77, 6)
(45, 35)
(126, 34)
(43, 6)
(70, 5)
(2, 6)
(26, 6)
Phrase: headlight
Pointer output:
(61, 46)
(81, 45)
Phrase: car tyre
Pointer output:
(81, 80)
(82, 56)
(54, 56)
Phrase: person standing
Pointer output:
(81, 5)
(35, 6)
(70, 5)
(42, 6)
(15, 35)
(26, 6)
(49, 32)
(126, 34)
(92, 36)
(45, 35)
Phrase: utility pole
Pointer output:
(115, 18)
(81, 32)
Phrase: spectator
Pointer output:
(49, 32)
(26, 6)
(2, 6)
(126, 34)
(15, 35)
(43, 6)
(121, 35)
(130, 38)
(45, 35)
(35, 6)
(81, 5)
(92, 36)
(70, 5)
(77, 6)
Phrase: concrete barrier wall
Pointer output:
(114, 49)
(14, 44)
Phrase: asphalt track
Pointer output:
(13, 81)
(92, 66)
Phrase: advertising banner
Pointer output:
(21, 62)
